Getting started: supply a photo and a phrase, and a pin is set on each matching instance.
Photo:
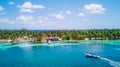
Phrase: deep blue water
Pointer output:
(63, 55)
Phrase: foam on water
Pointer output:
(4, 47)
(111, 62)
(24, 45)
(111, 42)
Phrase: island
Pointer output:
(58, 35)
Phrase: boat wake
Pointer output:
(111, 62)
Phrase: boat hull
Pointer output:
(92, 56)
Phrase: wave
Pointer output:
(111, 62)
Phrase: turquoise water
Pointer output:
(60, 54)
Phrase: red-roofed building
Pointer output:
(53, 39)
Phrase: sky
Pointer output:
(59, 14)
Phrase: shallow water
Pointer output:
(60, 54)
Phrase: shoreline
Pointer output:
(62, 41)
(6, 45)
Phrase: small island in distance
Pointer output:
(42, 35)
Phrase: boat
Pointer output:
(48, 41)
(88, 55)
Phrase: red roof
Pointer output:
(53, 37)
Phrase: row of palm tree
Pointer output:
(98, 34)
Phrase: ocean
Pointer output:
(60, 54)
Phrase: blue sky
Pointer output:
(59, 14)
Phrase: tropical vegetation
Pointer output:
(37, 35)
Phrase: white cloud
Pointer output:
(26, 10)
(94, 8)
(3, 13)
(81, 14)
(40, 18)
(11, 3)
(68, 12)
(29, 5)
(1, 8)
(46, 18)
(58, 16)
(24, 18)
(4, 19)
